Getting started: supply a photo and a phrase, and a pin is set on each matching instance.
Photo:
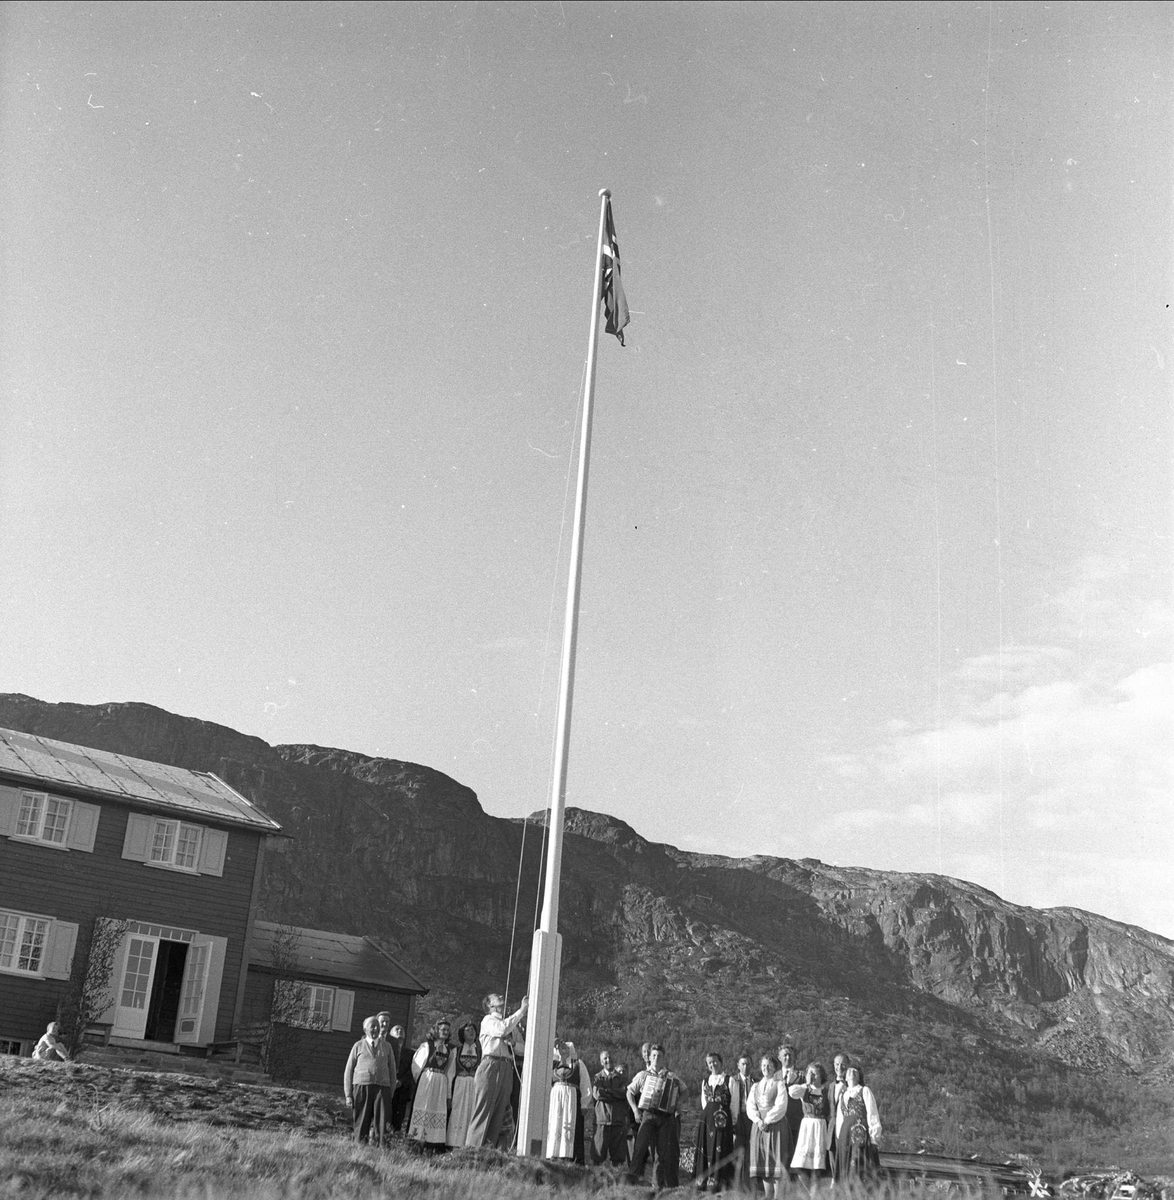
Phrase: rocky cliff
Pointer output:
(736, 949)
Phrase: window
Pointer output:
(22, 942)
(43, 817)
(10, 1045)
(175, 844)
(305, 1005)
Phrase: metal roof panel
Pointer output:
(46, 762)
(335, 955)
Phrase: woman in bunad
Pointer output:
(858, 1130)
(468, 1055)
(433, 1068)
(770, 1135)
(810, 1158)
(570, 1097)
(713, 1156)
(740, 1086)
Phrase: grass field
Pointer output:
(75, 1131)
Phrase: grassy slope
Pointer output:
(89, 1131)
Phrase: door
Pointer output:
(199, 998)
(163, 1007)
(134, 990)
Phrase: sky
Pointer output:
(877, 570)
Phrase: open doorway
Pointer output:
(163, 1007)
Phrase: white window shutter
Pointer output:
(344, 1010)
(211, 1005)
(83, 826)
(213, 846)
(9, 809)
(59, 951)
(137, 844)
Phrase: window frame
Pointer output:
(177, 829)
(308, 1015)
(19, 941)
(36, 834)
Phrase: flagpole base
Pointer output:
(534, 1101)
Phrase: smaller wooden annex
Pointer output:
(316, 987)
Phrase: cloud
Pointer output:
(1049, 758)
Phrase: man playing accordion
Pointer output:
(654, 1096)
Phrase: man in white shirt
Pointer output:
(836, 1089)
(495, 1072)
(656, 1107)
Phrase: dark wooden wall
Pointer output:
(77, 886)
(319, 1056)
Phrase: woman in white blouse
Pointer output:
(858, 1129)
(770, 1135)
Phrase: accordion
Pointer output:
(659, 1094)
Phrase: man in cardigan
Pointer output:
(367, 1074)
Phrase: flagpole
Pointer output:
(546, 953)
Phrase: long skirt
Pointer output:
(564, 1137)
(856, 1152)
(713, 1145)
(811, 1147)
(463, 1091)
(430, 1110)
(770, 1150)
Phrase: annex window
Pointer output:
(22, 942)
(311, 1005)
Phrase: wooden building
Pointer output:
(319, 986)
(159, 865)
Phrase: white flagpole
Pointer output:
(546, 954)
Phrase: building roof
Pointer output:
(335, 955)
(42, 761)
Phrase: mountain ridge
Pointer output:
(923, 976)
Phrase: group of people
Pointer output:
(459, 1091)
(755, 1134)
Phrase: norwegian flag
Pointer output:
(615, 303)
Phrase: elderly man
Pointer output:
(654, 1097)
(367, 1074)
(611, 1112)
(495, 1073)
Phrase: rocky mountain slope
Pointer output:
(927, 978)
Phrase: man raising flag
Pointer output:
(615, 303)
